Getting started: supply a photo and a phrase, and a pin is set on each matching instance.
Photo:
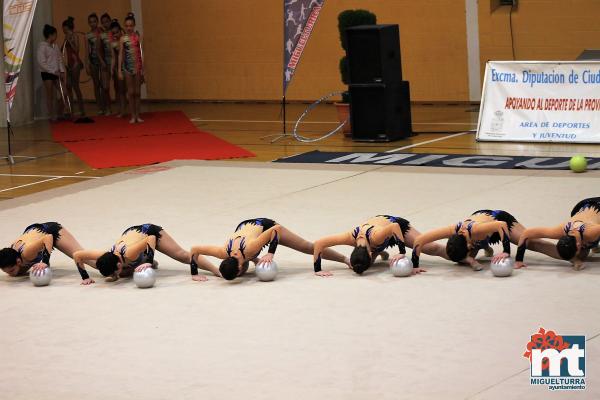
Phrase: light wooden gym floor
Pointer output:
(441, 129)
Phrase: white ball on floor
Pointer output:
(266, 271)
(41, 278)
(146, 278)
(503, 268)
(402, 268)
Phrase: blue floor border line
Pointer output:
(437, 160)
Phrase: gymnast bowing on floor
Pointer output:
(482, 229)
(371, 239)
(135, 247)
(32, 249)
(576, 237)
(246, 243)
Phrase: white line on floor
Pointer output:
(319, 122)
(428, 141)
(79, 173)
(30, 184)
(53, 176)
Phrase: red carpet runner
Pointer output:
(163, 136)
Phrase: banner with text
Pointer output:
(300, 17)
(17, 18)
(540, 102)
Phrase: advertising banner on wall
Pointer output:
(541, 101)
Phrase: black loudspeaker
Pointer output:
(374, 54)
(380, 112)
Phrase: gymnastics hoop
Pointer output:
(304, 139)
(65, 98)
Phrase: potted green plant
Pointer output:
(347, 19)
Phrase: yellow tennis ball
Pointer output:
(578, 163)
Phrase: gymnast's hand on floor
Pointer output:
(499, 257)
(323, 273)
(520, 264)
(38, 268)
(87, 281)
(267, 258)
(199, 278)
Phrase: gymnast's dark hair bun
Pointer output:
(567, 247)
(105, 15)
(69, 23)
(115, 24)
(130, 17)
(229, 268)
(107, 263)
(360, 260)
(457, 248)
(93, 15)
(48, 31)
(8, 257)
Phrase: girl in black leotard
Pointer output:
(33, 248)
(246, 243)
(576, 237)
(371, 239)
(135, 247)
(482, 229)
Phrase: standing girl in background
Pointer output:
(73, 63)
(131, 66)
(52, 68)
(94, 58)
(120, 92)
(106, 62)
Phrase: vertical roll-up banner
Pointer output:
(16, 19)
(300, 17)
